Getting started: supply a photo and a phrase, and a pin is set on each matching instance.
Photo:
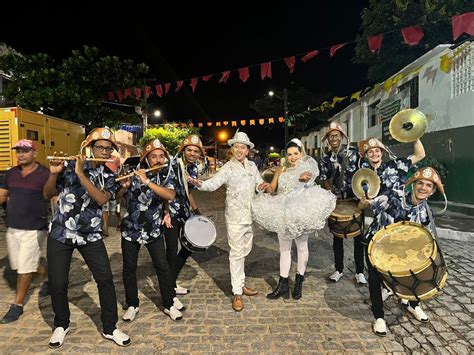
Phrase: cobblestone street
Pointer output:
(331, 317)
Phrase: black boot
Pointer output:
(298, 291)
(282, 289)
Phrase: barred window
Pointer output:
(462, 72)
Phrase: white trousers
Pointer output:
(240, 242)
(285, 254)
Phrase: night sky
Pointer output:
(182, 41)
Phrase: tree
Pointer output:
(389, 17)
(169, 135)
(303, 108)
(73, 89)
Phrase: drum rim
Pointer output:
(426, 296)
(190, 241)
(348, 235)
(347, 200)
(422, 267)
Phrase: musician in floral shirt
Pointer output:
(142, 225)
(83, 188)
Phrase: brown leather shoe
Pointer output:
(247, 291)
(238, 303)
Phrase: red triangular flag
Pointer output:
(193, 84)
(119, 95)
(412, 35)
(309, 56)
(207, 77)
(224, 77)
(178, 85)
(244, 74)
(159, 90)
(128, 92)
(111, 95)
(290, 63)
(266, 70)
(463, 24)
(167, 87)
(375, 43)
(138, 93)
(147, 91)
(335, 48)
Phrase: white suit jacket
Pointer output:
(241, 181)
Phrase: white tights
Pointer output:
(285, 254)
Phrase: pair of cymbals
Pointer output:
(365, 184)
(408, 125)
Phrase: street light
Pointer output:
(285, 110)
(220, 136)
(271, 148)
(157, 113)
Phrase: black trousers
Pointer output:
(375, 291)
(156, 249)
(338, 247)
(95, 255)
(176, 260)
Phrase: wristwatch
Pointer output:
(147, 182)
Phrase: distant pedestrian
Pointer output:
(27, 212)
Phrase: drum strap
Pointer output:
(184, 174)
(430, 215)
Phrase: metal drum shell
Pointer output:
(188, 243)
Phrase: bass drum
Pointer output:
(347, 220)
(198, 234)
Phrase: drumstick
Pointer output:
(136, 172)
(100, 160)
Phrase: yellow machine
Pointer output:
(49, 133)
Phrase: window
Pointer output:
(462, 74)
(32, 135)
(372, 114)
(412, 86)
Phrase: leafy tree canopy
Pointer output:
(73, 89)
(169, 135)
(389, 16)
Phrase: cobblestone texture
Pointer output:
(331, 317)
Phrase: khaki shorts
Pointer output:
(24, 249)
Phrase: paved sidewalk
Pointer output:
(329, 318)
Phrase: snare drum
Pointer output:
(408, 260)
(347, 220)
(198, 234)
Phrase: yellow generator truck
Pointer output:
(49, 133)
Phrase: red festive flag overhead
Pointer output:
(224, 77)
(290, 63)
(119, 95)
(335, 48)
(244, 74)
(111, 95)
(243, 122)
(252, 122)
(309, 56)
(225, 123)
(261, 121)
(138, 93)
(147, 91)
(271, 120)
(128, 92)
(194, 82)
(207, 77)
(167, 87)
(200, 124)
(412, 35)
(159, 90)
(266, 70)
(178, 85)
(463, 24)
(375, 43)
(218, 124)
(281, 119)
(234, 123)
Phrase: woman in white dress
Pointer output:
(298, 210)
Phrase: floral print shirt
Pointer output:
(180, 208)
(77, 218)
(340, 167)
(142, 223)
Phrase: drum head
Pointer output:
(200, 231)
(346, 208)
(402, 247)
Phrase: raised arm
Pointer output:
(418, 152)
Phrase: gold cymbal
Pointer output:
(365, 183)
(408, 125)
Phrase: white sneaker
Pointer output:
(119, 337)
(173, 313)
(404, 303)
(57, 339)
(418, 313)
(181, 290)
(178, 305)
(386, 293)
(380, 327)
(336, 276)
(130, 314)
(360, 278)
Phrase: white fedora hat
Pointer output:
(240, 137)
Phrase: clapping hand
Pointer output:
(305, 176)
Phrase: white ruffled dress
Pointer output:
(298, 207)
